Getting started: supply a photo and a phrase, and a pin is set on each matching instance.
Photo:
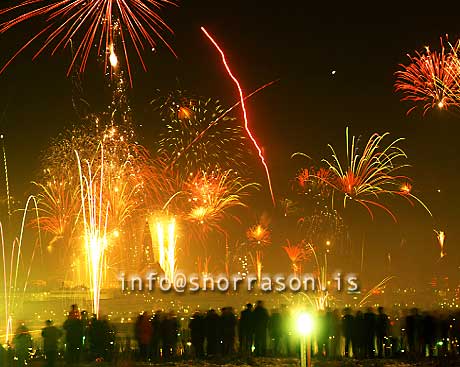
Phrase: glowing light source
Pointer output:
(305, 324)
(113, 57)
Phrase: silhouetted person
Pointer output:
(429, 333)
(74, 312)
(322, 334)
(101, 339)
(261, 318)
(275, 328)
(228, 324)
(73, 327)
(381, 331)
(51, 335)
(197, 330)
(335, 333)
(358, 336)
(22, 342)
(169, 330)
(143, 332)
(347, 329)
(212, 333)
(369, 332)
(286, 329)
(156, 336)
(413, 332)
(246, 330)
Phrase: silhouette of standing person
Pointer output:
(73, 327)
(369, 333)
(143, 329)
(51, 335)
(381, 331)
(212, 322)
(196, 326)
(275, 326)
(358, 336)
(246, 330)
(347, 329)
(261, 319)
(22, 342)
(228, 322)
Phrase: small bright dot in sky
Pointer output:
(438, 190)
(333, 72)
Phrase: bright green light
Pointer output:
(304, 324)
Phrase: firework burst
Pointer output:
(259, 235)
(93, 24)
(211, 195)
(368, 175)
(296, 253)
(431, 79)
(186, 118)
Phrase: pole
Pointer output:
(302, 352)
(308, 350)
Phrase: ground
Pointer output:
(279, 362)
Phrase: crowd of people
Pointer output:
(252, 332)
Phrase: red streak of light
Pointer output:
(246, 122)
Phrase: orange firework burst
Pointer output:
(58, 203)
(313, 180)
(296, 253)
(91, 23)
(259, 235)
(211, 195)
(431, 79)
(370, 174)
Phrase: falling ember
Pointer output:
(95, 212)
(406, 188)
(243, 106)
(259, 265)
(441, 236)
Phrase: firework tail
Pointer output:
(243, 107)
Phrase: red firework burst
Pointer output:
(431, 79)
(91, 23)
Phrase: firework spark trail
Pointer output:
(366, 176)
(374, 289)
(10, 286)
(95, 225)
(246, 122)
(441, 236)
(7, 186)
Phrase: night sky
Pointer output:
(307, 109)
